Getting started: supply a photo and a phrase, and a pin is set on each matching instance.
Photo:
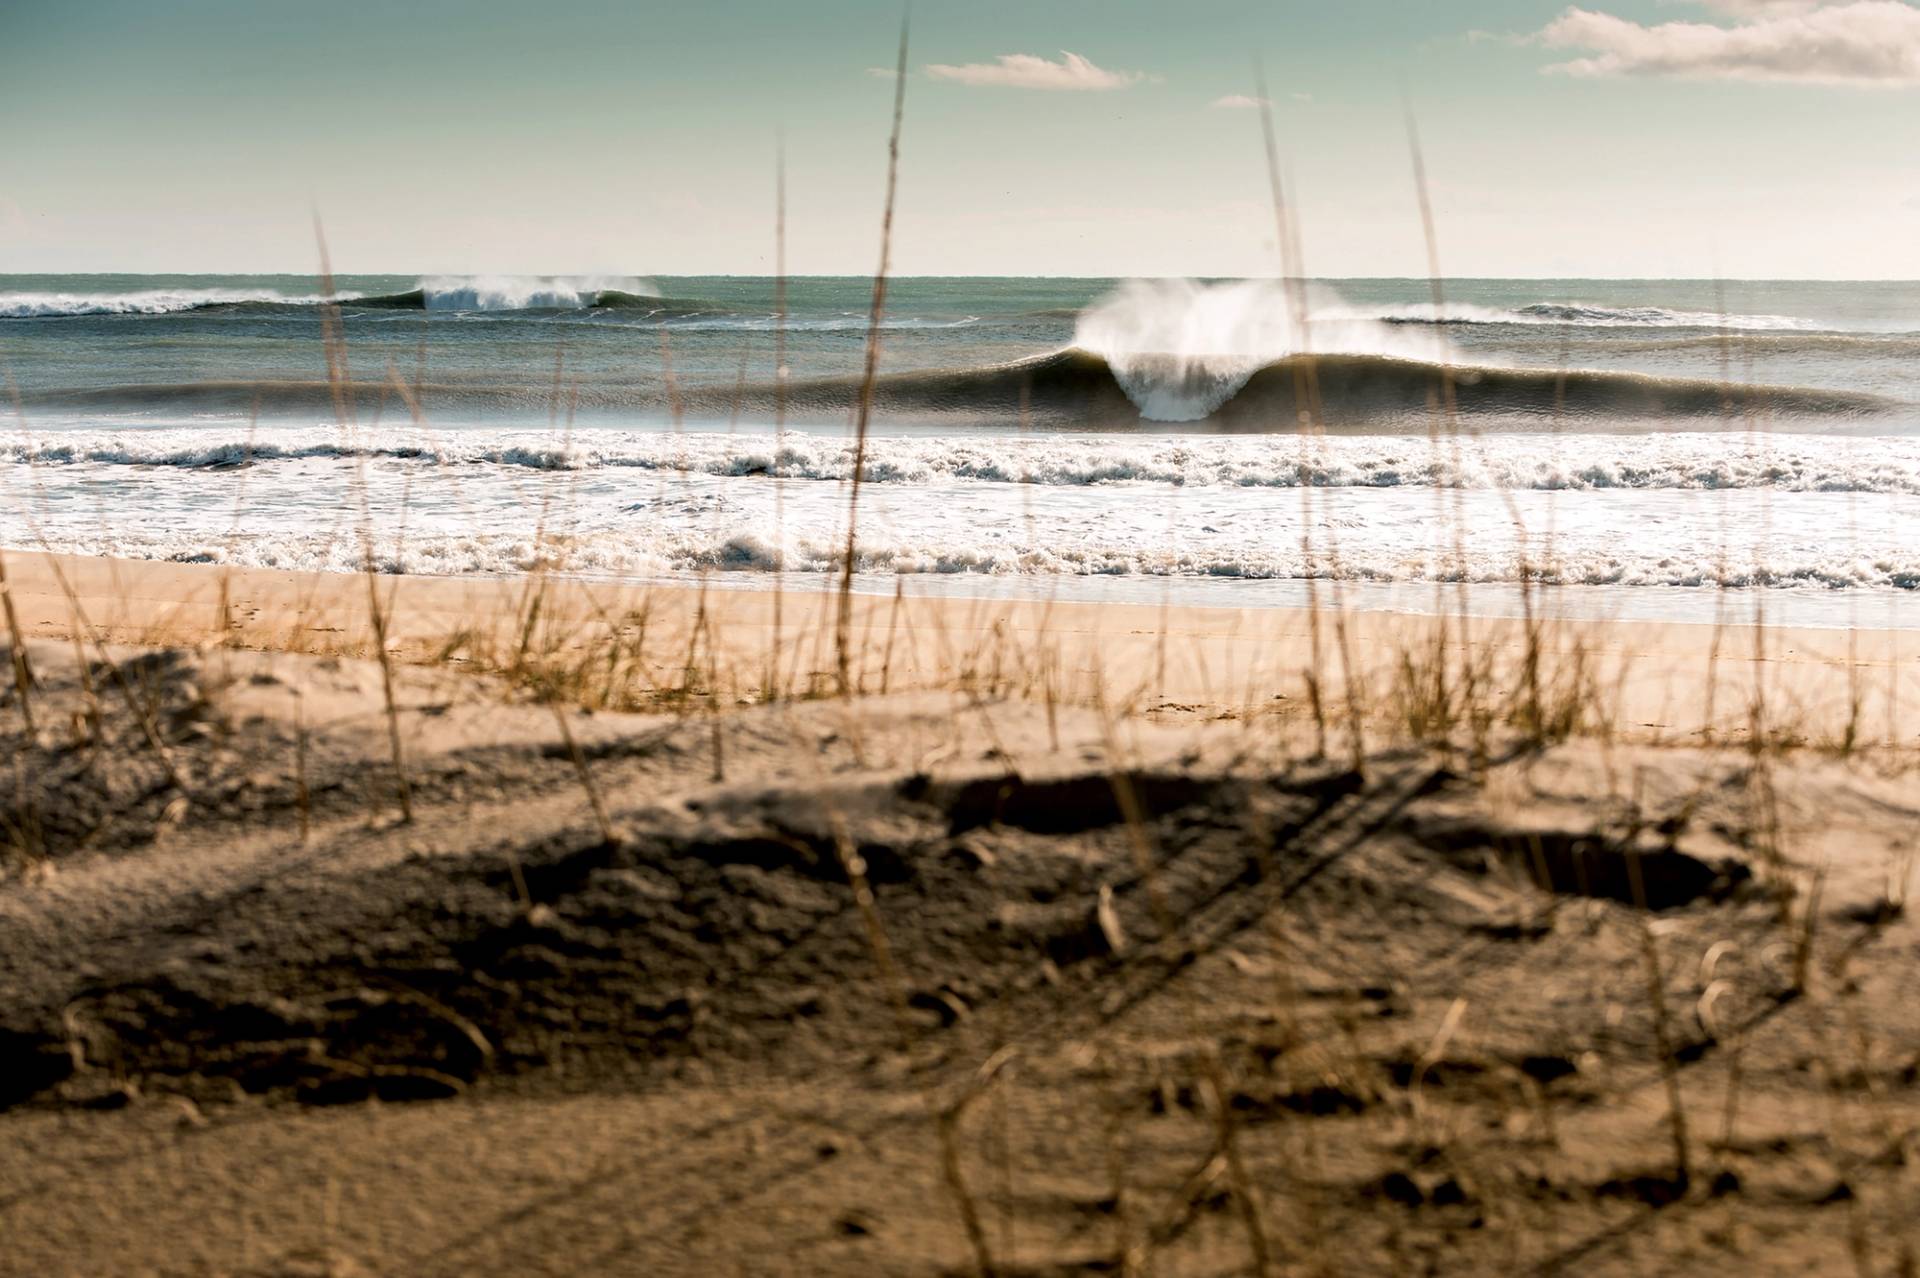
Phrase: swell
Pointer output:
(1074, 389)
(606, 299)
(449, 295)
(1583, 315)
(1350, 392)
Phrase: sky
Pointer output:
(1618, 138)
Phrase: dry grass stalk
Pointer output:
(1662, 1030)
(770, 682)
(604, 821)
(333, 340)
(945, 1119)
(1226, 1135)
(17, 652)
(1304, 378)
(863, 413)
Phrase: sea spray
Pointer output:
(527, 292)
(1181, 349)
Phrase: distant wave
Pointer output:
(1582, 315)
(522, 293)
(435, 293)
(152, 301)
(501, 297)
(1689, 461)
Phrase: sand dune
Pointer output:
(1099, 969)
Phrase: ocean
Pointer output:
(1659, 449)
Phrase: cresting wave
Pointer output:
(154, 301)
(434, 293)
(1357, 392)
(1695, 461)
(454, 296)
(522, 293)
(1182, 350)
(1077, 389)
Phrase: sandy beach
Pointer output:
(1063, 953)
(1658, 681)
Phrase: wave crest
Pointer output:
(151, 301)
(1181, 349)
(532, 292)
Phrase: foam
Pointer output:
(1694, 461)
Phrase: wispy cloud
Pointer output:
(883, 73)
(1030, 71)
(1247, 102)
(1851, 42)
(1758, 8)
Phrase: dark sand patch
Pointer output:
(1404, 1013)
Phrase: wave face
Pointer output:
(1342, 392)
(1080, 390)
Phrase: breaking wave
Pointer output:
(434, 293)
(1076, 389)
(152, 301)
(1695, 461)
(639, 554)
(533, 292)
(1181, 349)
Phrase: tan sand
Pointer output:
(1664, 681)
(949, 980)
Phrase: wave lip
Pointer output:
(433, 293)
(532, 292)
(1181, 349)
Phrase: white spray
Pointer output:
(1182, 348)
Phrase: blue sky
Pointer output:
(1626, 137)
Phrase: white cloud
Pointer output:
(1855, 42)
(883, 73)
(1242, 102)
(1758, 8)
(1029, 71)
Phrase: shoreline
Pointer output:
(1672, 681)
